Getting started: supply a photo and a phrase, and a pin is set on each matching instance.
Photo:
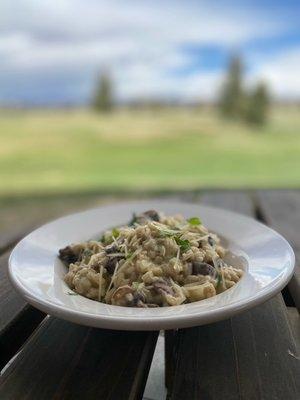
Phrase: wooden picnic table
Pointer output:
(254, 355)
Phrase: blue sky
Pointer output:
(52, 51)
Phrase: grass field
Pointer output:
(78, 150)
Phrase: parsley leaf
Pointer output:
(194, 221)
(165, 230)
(115, 233)
(108, 237)
(175, 234)
(183, 244)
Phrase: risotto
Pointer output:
(154, 261)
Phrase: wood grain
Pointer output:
(238, 201)
(68, 361)
(281, 210)
(17, 318)
(18, 217)
(170, 337)
(294, 319)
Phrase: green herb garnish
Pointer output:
(108, 237)
(168, 232)
(165, 231)
(183, 244)
(72, 294)
(175, 234)
(115, 233)
(194, 221)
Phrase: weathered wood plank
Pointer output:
(251, 356)
(17, 318)
(294, 320)
(236, 359)
(10, 302)
(67, 361)
(238, 201)
(170, 337)
(18, 217)
(281, 210)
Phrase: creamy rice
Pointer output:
(154, 261)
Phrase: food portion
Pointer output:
(154, 261)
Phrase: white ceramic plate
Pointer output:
(37, 273)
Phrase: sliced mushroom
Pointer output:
(139, 300)
(70, 254)
(202, 268)
(112, 248)
(153, 215)
(112, 262)
(150, 215)
(162, 287)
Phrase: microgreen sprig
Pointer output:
(194, 221)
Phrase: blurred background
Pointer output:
(148, 95)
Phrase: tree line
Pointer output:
(234, 102)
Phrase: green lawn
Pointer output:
(77, 150)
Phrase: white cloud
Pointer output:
(170, 21)
(141, 42)
(281, 72)
(195, 87)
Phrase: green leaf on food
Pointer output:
(108, 237)
(194, 221)
(168, 232)
(115, 233)
(165, 230)
(184, 244)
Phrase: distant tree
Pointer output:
(103, 99)
(232, 98)
(258, 104)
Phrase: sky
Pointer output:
(52, 51)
